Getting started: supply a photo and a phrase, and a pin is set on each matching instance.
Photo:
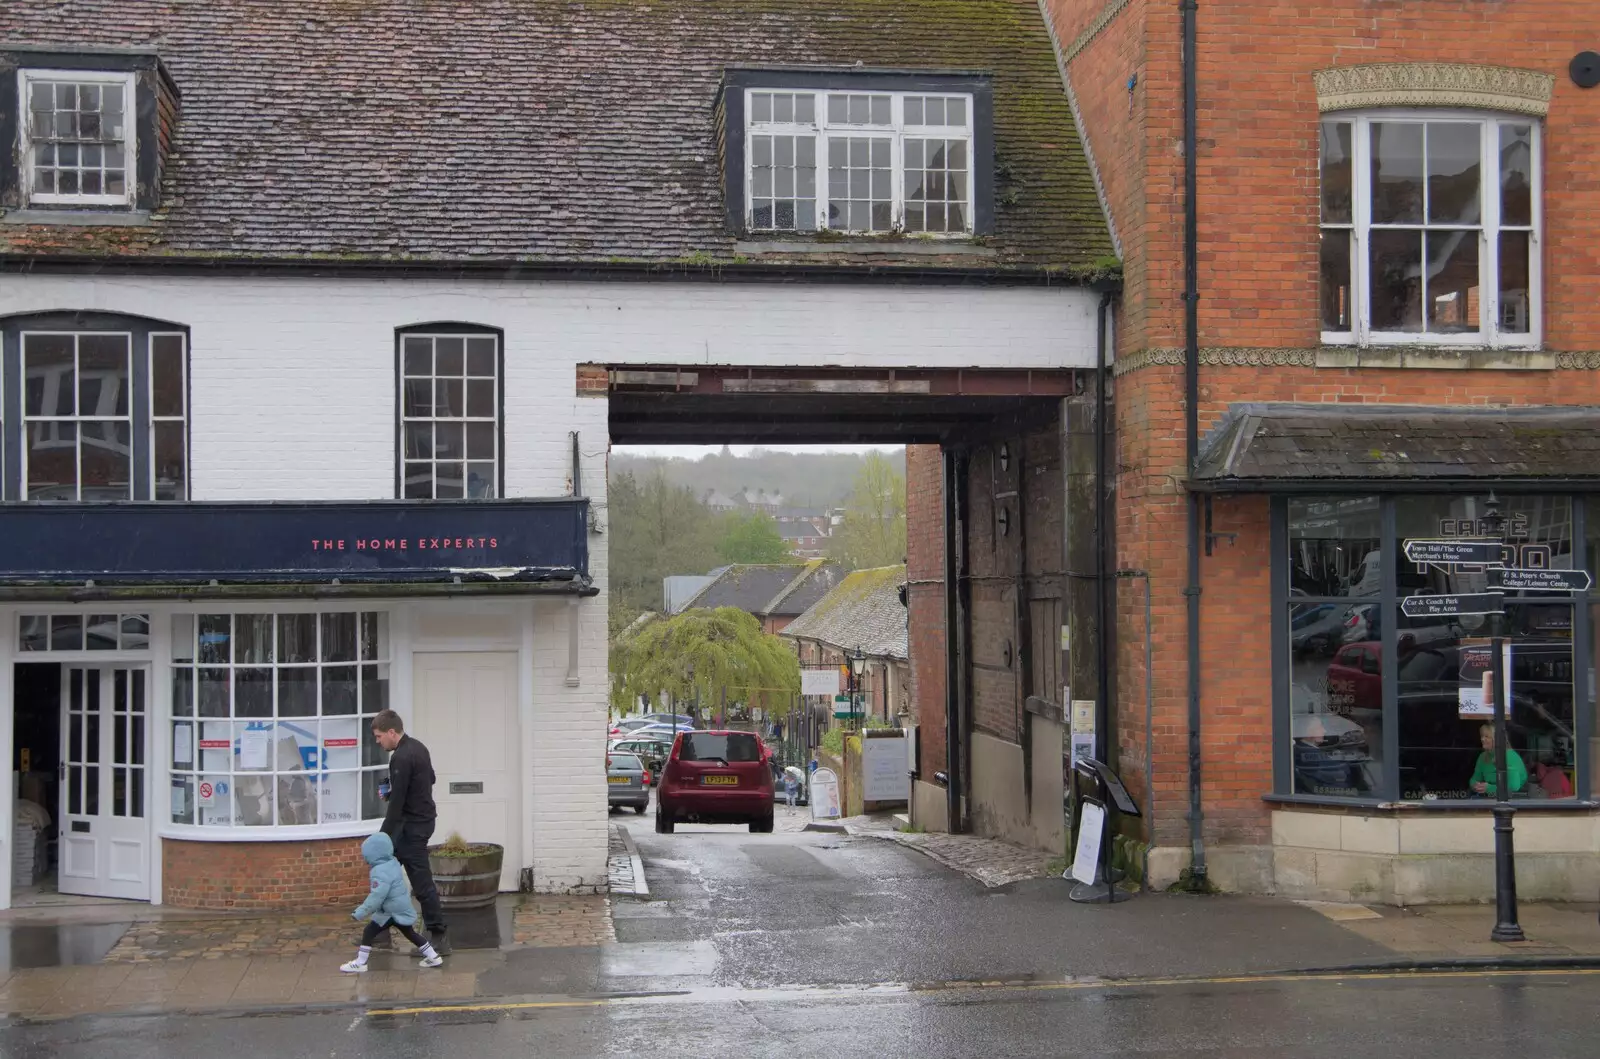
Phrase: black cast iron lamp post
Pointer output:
(1506, 927)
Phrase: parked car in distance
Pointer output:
(627, 783)
(716, 778)
(653, 752)
(627, 726)
(682, 720)
(657, 730)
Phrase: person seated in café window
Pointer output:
(1482, 782)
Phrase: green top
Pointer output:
(1516, 771)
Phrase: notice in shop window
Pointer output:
(253, 747)
(183, 746)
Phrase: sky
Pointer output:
(696, 451)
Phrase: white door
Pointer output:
(105, 819)
(464, 708)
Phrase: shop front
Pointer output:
(1382, 786)
(191, 688)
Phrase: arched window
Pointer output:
(94, 407)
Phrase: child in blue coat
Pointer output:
(389, 904)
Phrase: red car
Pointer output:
(716, 778)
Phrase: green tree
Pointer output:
(702, 655)
(752, 538)
(655, 530)
(874, 529)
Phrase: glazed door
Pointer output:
(105, 817)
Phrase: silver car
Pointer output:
(625, 779)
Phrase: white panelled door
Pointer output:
(464, 708)
(105, 782)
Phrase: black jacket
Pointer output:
(411, 781)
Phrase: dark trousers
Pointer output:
(374, 931)
(411, 850)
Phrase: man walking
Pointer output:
(410, 816)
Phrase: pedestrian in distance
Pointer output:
(791, 787)
(388, 904)
(410, 817)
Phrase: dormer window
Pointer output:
(858, 154)
(84, 136)
(78, 141)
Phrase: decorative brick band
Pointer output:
(1354, 357)
(1434, 85)
(1093, 30)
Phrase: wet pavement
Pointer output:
(1427, 1018)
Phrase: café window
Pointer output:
(1382, 706)
(272, 717)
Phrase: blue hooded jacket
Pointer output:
(389, 900)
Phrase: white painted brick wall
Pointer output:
(293, 398)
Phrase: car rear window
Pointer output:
(704, 746)
(625, 761)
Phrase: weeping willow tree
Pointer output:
(702, 655)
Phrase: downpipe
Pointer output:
(1195, 878)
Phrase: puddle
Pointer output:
(73, 945)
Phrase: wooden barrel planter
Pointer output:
(467, 878)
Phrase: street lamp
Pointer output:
(858, 667)
(1506, 927)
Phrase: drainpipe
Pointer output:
(954, 654)
(1191, 412)
(1102, 709)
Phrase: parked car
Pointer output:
(656, 731)
(627, 726)
(801, 796)
(716, 778)
(653, 752)
(682, 720)
(627, 782)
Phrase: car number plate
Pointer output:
(616, 779)
(720, 781)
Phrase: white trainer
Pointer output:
(353, 967)
(433, 961)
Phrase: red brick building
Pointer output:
(1394, 266)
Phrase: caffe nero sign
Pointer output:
(381, 541)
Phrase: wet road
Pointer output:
(803, 944)
(1485, 1018)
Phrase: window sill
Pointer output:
(98, 218)
(299, 833)
(1435, 358)
(885, 247)
(1479, 806)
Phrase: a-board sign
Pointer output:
(1544, 580)
(1449, 551)
(1445, 606)
(824, 795)
(1119, 794)
(1090, 830)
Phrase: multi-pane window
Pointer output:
(894, 162)
(449, 416)
(77, 416)
(78, 137)
(104, 414)
(272, 717)
(84, 632)
(1429, 229)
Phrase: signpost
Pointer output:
(1450, 551)
(1544, 580)
(1446, 606)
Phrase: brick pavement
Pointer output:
(1452, 932)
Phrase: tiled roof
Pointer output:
(749, 587)
(1262, 445)
(537, 131)
(864, 612)
(819, 579)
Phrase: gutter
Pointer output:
(1191, 413)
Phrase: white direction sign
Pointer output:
(1545, 580)
(1449, 551)
(1447, 606)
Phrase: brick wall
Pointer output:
(1258, 213)
(263, 875)
(926, 600)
